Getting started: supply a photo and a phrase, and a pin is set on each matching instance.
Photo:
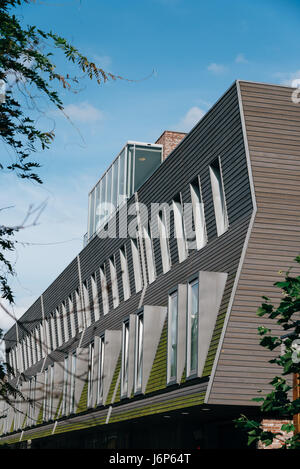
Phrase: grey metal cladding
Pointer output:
(219, 133)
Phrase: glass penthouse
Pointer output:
(130, 169)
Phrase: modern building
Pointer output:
(148, 338)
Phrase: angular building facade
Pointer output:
(148, 338)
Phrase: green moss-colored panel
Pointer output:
(82, 404)
(158, 375)
(114, 381)
(178, 403)
(118, 395)
(15, 439)
(214, 341)
(92, 422)
(40, 416)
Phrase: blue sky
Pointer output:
(182, 56)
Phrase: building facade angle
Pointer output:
(148, 338)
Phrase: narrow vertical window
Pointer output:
(136, 265)
(164, 245)
(179, 228)
(34, 349)
(24, 355)
(125, 275)
(65, 386)
(65, 321)
(29, 350)
(139, 352)
(198, 214)
(149, 254)
(42, 336)
(125, 358)
(72, 383)
(38, 344)
(45, 396)
(192, 327)
(72, 318)
(59, 327)
(31, 400)
(53, 332)
(79, 310)
(114, 283)
(50, 390)
(104, 290)
(100, 371)
(218, 197)
(90, 375)
(86, 301)
(95, 298)
(172, 336)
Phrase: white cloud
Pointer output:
(287, 78)
(217, 69)
(241, 59)
(83, 112)
(190, 119)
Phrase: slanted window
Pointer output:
(50, 391)
(114, 282)
(136, 265)
(72, 317)
(38, 344)
(198, 214)
(31, 400)
(95, 297)
(192, 327)
(149, 254)
(65, 406)
(172, 336)
(72, 383)
(45, 395)
(87, 307)
(125, 358)
(139, 352)
(100, 371)
(90, 375)
(79, 311)
(53, 332)
(164, 244)
(104, 290)
(179, 228)
(24, 355)
(125, 275)
(65, 321)
(59, 324)
(218, 197)
(42, 335)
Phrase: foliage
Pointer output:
(27, 67)
(28, 70)
(277, 402)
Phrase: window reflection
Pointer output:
(128, 172)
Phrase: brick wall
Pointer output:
(274, 426)
(169, 140)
